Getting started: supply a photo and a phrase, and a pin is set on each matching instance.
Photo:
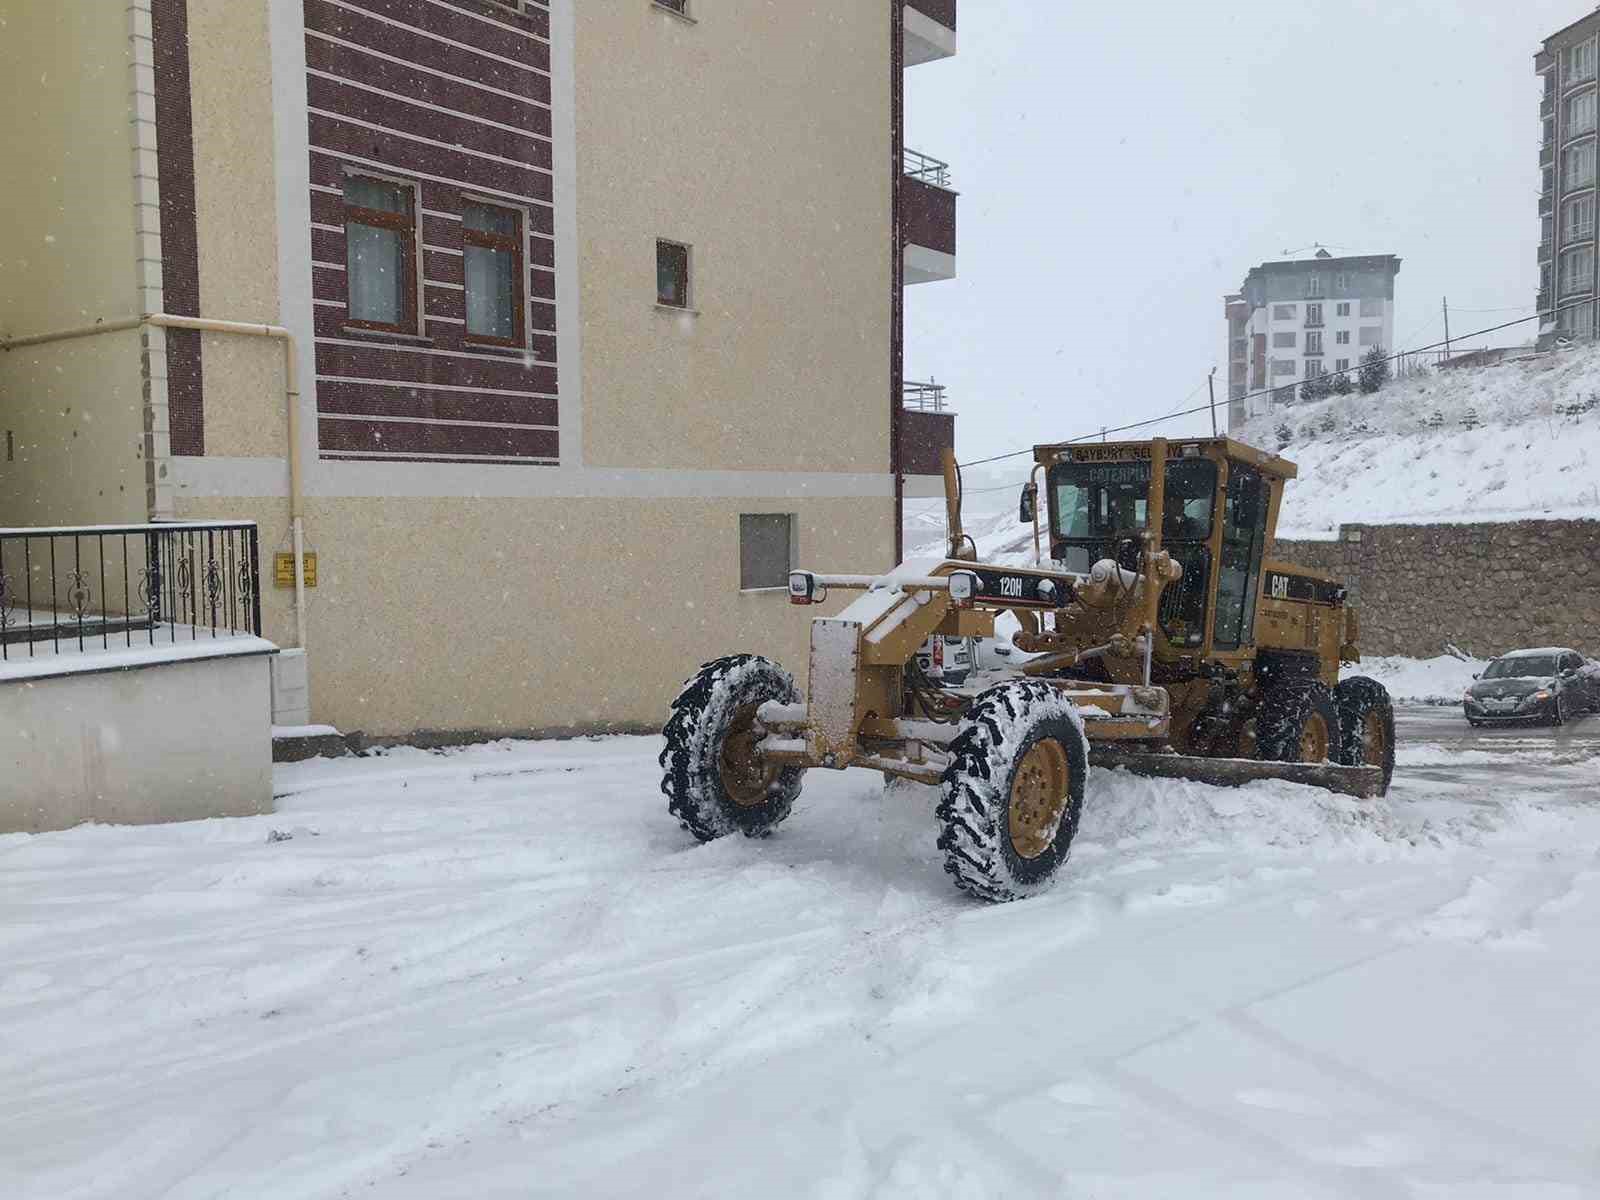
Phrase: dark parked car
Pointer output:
(1549, 684)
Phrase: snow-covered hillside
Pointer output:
(1514, 441)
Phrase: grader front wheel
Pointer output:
(1013, 791)
(713, 776)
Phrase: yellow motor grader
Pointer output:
(1157, 632)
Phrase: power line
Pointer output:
(1267, 391)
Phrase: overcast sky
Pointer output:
(1122, 166)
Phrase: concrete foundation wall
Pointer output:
(173, 742)
(1486, 588)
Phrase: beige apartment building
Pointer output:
(557, 332)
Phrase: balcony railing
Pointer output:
(927, 169)
(111, 587)
(924, 397)
(1547, 155)
(1547, 106)
(1544, 251)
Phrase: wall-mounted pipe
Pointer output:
(291, 391)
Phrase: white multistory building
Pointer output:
(1297, 320)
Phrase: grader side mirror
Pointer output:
(1028, 507)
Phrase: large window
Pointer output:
(492, 238)
(1313, 315)
(1342, 337)
(1285, 341)
(1577, 168)
(1580, 114)
(1314, 341)
(1578, 62)
(1282, 366)
(380, 230)
(1577, 321)
(1372, 308)
(1314, 285)
(1577, 270)
(1098, 506)
(1578, 224)
(1283, 312)
(766, 550)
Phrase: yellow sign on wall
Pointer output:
(283, 569)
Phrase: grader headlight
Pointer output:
(963, 587)
(804, 588)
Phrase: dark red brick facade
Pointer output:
(451, 97)
(180, 245)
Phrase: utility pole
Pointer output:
(1211, 384)
(1447, 328)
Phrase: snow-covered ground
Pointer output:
(505, 972)
(1494, 443)
(1440, 680)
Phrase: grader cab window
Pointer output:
(1099, 506)
(1244, 532)
(1188, 502)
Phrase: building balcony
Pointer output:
(1546, 204)
(1544, 251)
(1543, 302)
(1547, 155)
(930, 31)
(927, 430)
(927, 219)
(1547, 106)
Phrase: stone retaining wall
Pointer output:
(1486, 588)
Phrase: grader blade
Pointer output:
(1364, 783)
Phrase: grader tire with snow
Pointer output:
(712, 776)
(1366, 725)
(1297, 723)
(1013, 791)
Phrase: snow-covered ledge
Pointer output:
(172, 732)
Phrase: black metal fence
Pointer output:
(119, 586)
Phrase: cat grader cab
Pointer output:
(1157, 634)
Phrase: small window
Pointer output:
(1341, 310)
(672, 274)
(1314, 342)
(492, 241)
(1314, 285)
(380, 230)
(1313, 368)
(1341, 282)
(1313, 315)
(1341, 364)
(766, 550)
(1342, 337)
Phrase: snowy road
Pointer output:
(504, 972)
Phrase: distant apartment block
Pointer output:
(1300, 319)
(1566, 64)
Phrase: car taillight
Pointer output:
(938, 652)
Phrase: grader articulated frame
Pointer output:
(1131, 666)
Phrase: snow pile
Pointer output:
(1439, 680)
(1512, 441)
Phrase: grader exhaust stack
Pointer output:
(1161, 639)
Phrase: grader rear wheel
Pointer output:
(1297, 721)
(1366, 725)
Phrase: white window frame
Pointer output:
(1341, 364)
(1579, 101)
(1572, 175)
(1314, 341)
(1313, 284)
(1342, 310)
(1576, 272)
(1284, 312)
(1578, 62)
(1572, 231)
(1341, 337)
